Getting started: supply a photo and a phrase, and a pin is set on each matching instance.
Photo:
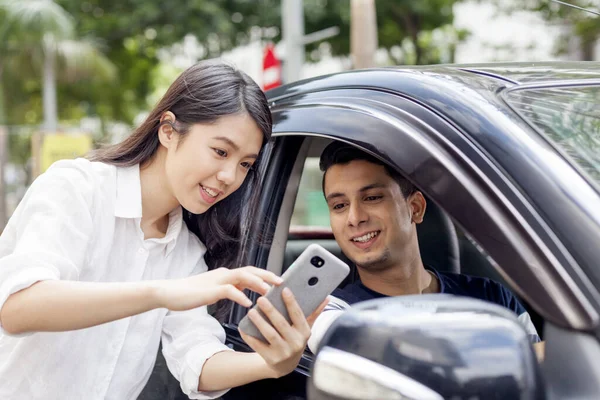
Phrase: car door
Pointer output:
(350, 115)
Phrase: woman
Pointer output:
(97, 266)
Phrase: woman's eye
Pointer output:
(220, 153)
(246, 165)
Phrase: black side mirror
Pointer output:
(426, 347)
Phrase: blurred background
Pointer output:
(76, 74)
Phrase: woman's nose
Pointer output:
(227, 174)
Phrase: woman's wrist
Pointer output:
(154, 291)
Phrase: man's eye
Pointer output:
(338, 206)
(220, 153)
(373, 198)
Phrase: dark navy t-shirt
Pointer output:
(456, 284)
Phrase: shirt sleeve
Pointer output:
(47, 237)
(189, 338)
(332, 311)
(523, 316)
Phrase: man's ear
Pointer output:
(418, 205)
(167, 135)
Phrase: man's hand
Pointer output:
(539, 349)
(286, 343)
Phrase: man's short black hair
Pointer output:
(343, 153)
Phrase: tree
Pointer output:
(39, 34)
(398, 21)
(135, 31)
(582, 25)
(37, 45)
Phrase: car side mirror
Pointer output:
(425, 347)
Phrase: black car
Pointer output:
(508, 156)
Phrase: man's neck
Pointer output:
(399, 280)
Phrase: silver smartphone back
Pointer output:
(311, 278)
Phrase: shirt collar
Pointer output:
(375, 294)
(173, 230)
(128, 202)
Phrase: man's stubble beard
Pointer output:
(380, 263)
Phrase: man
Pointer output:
(374, 212)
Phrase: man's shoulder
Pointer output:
(478, 287)
(488, 290)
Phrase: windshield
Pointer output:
(567, 116)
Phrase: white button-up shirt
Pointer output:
(81, 221)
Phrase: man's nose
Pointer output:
(356, 215)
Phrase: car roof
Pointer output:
(472, 75)
(529, 73)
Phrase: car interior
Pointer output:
(303, 220)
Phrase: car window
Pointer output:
(310, 210)
(567, 116)
(310, 218)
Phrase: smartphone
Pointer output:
(311, 278)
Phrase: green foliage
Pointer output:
(31, 29)
(134, 31)
(584, 25)
(397, 21)
(131, 33)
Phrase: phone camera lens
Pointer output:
(317, 261)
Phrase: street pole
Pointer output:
(3, 155)
(3, 162)
(292, 25)
(49, 87)
(363, 33)
(37, 139)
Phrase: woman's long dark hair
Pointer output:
(204, 93)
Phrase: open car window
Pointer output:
(309, 223)
(310, 210)
(310, 217)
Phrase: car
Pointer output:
(508, 156)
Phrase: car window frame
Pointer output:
(429, 142)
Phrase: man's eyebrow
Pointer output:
(372, 186)
(362, 189)
(233, 145)
(334, 195)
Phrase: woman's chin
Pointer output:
(200, 209)
(195, 207)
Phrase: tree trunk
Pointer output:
(49, 86)
(3, 156)
(412, 25)
(363, 36)
(587, 48)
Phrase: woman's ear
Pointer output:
(167, 135)
(418, 205)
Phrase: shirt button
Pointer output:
(141, 250)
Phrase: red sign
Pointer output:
(271, 69)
